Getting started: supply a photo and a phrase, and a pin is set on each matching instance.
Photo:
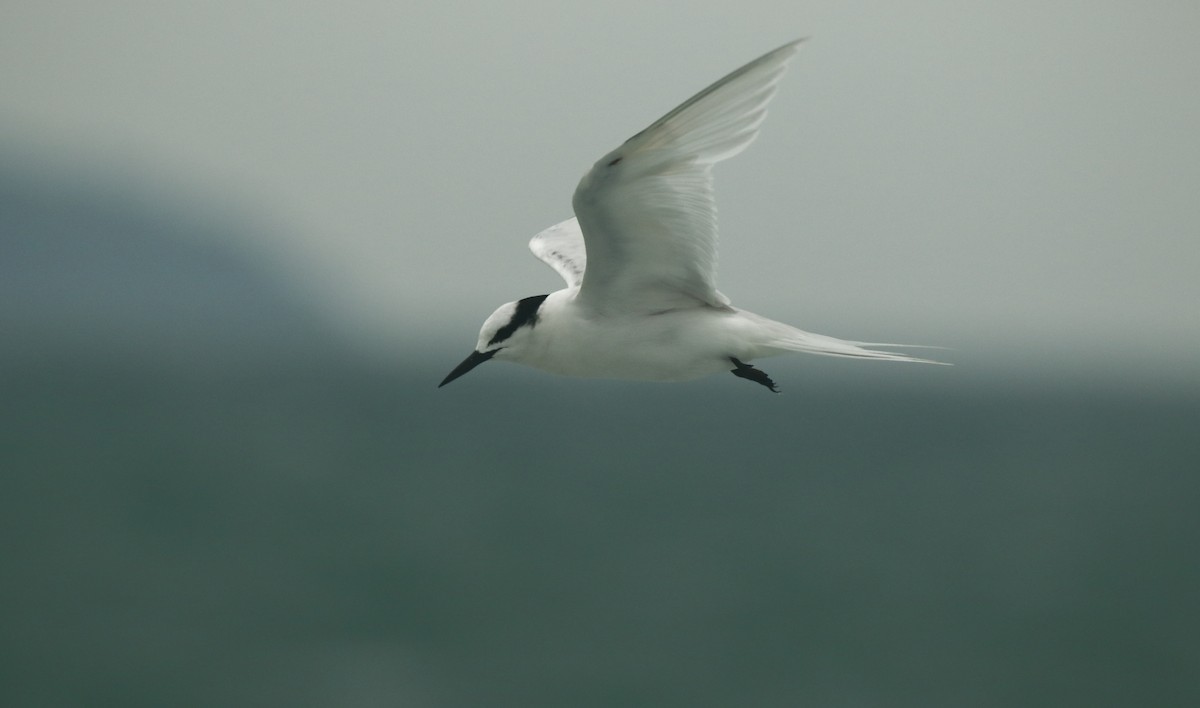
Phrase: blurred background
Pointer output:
(240, 244)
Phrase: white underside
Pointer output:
(676, 345)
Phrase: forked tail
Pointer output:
(797, 340)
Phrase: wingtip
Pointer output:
(793, 46)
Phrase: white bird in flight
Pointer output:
(640, 255)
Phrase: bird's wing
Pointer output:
(561, 248)
(647, 210)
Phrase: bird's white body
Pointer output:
(675, 345)
(639, 259)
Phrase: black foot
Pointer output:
(746, 371)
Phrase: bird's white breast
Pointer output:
(671, 346)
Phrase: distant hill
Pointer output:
(96, 270)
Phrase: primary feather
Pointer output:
(646, 209)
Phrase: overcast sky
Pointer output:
(961, 173)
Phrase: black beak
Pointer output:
(469, 363)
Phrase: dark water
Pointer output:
(328, 534)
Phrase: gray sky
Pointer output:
(1019, 174)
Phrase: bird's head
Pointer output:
(506, 334)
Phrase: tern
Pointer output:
(639, 259)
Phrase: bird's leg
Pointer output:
(746, 371)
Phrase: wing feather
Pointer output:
(647, 211)
(561, 247)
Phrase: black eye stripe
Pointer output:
(526, 314)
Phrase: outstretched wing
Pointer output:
(561, 248)
(647, 210)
